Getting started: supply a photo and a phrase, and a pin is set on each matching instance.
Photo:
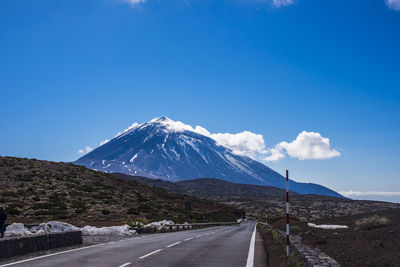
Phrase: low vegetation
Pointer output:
(34, 191)
(371, 222)
(371, 239)
(276, 249)
(255, 199)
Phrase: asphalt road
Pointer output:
(229, 246)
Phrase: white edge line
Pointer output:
(49, 255)
(250, 256)
(151, 253)
(125, 264)
(176, 243)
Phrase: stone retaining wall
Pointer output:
(15, 246)
(312, 257)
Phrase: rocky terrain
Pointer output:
(255, 199)
(34, 191)
(307, 207)
(371, 239)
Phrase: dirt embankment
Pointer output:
(276, 249)
(372, 239)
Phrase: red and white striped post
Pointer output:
(287, 213)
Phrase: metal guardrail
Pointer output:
(195, 225)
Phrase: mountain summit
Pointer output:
(173, 151)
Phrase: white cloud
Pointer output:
(393, 4)
(275, 155)
(134, 2)
(275, 3)
(201, 130)
(85, 150)
(280, 3)
(105, 141)
(309, 145)
(244, 143)
(369, 193)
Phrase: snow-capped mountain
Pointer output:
(169, 150)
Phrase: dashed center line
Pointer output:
(198, 235)
(49, 255)
(151, 253)
(187, 239)
(125, 264)
(176, 243)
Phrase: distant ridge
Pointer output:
(173, 151)
(209, 187)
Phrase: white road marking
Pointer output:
(49, 255)
(125, 264)
(187, 239)
(250, 256)
(198, 235)
(151, 253)
(207, 234)
(176, 243)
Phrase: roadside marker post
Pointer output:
(287, 214)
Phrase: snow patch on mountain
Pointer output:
(133, 158)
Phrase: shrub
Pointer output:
(295, 229)
(10, 194)
(12, 210)
(102, 195)
(108, 201)
(133, 211)
(371, 222)
(45, 206)
(105, 212)
(79, 205)
(54, 213)
(144, 208)
(87, 188)
(25, 177)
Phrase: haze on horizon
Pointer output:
(308, 86)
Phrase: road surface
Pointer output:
(228, 246)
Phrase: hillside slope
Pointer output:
(34, 191)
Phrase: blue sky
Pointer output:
(73, 73)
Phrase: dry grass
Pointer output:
(33, 191)
(371, 222)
